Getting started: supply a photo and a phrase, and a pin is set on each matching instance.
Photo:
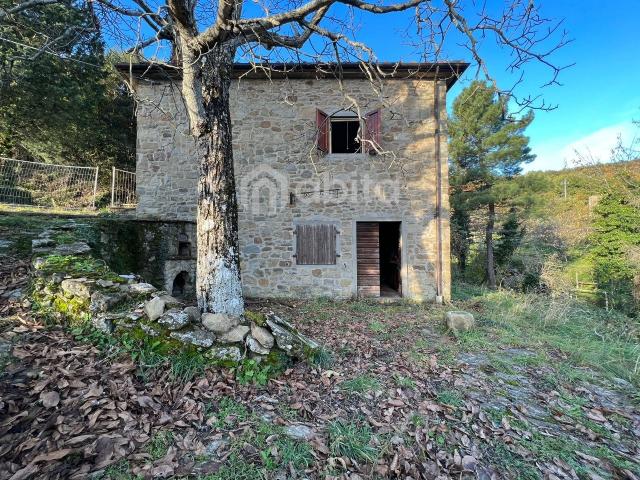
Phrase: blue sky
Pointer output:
(600, 94)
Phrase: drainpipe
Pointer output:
(438, 212)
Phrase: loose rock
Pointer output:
(76, 287)
(219, 322)
(154, 308)
(194, 313)
(263, 336)
(101, 302)
(288, 339)
(459, 321)
(255, 346)
(76, 248)
(138, 288)
(233, 354)
(235, 335)
(174, 319)
(195, 336)
(299, 432)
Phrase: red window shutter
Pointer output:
(373, 127)
(322, 126)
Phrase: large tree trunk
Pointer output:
(491, 268)
(218, 285)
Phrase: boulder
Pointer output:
(194, 336)
(76, 248)
(174, 319)
(225, 354)
(104, 283)
(235, 335)
(102, 302)
(106, 321)
(289, 340)
(219, 322)
(76, 287)
(42, 244)
(194, 313)
(262, 335)
(171, 302)
(255, 346)
(459, 321)
(154, 308)
(138, 288)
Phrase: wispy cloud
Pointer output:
(596, 146)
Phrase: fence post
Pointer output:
(113, 185)
(95, 187)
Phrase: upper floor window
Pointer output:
(345, 132)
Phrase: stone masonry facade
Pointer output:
(284, 181)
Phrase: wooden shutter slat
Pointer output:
(322, 127)
(368, 258)
(373, 128)
(316, 244)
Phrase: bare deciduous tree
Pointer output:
(206, 38)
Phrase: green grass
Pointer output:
(586, 335)
(449, 397)
(159, 444)
(352, 440)
(229, 413)
(119, 471)
(360, 384)
(404, 382)
(236, 467)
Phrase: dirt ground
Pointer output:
(395, 397)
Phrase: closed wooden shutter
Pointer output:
(368, 256)
(316, 244)
(373, 129)
(322, 126)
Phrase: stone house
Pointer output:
(342, 191)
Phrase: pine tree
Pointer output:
(486, 146)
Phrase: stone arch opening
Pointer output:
(180, 284)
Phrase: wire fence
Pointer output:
(47, 185)
(123, 188)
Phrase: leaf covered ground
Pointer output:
(539, 389)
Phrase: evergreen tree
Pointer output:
(616, 233)
(486, 147)
(60, 99)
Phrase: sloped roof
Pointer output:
(449, 71)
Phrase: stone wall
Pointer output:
(274, 133)
(159, 251)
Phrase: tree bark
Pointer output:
(491, 268)
(218, 283)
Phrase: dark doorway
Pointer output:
(390, 259)
(180, 284)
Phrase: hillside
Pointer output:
(556, 231)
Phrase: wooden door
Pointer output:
(368, 257)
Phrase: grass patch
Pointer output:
(588, 336)
(119, 471)
(360, 384)
(449, 397)
(159, 444)
(230, 413)
(237, 468)
(352, 440)
(404, 382)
